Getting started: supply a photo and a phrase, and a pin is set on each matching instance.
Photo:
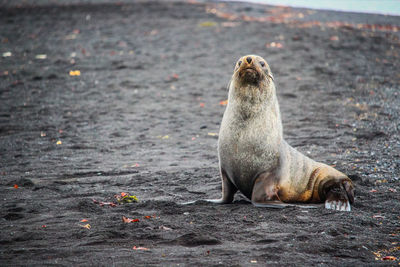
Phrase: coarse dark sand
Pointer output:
(143, 115)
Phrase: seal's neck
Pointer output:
(252, 99)
(255, 103)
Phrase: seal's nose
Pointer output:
(248, 59)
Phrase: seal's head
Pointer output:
(252, 70)
(252, 81)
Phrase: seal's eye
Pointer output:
(239, 63)
(262, 63)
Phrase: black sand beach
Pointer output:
(97, 99)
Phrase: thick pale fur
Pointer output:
(254, 156)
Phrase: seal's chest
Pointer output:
(251, 142)
(245, 150)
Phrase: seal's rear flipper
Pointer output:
(339, 194)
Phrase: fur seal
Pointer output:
(256, 160)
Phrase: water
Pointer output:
(387, 7)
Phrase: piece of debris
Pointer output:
(126, 198)
(128, 220)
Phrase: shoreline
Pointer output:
(321, 15)
(316, 7)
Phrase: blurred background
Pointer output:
(387, 7)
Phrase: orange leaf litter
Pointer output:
(127, 220)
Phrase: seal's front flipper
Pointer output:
(228, 192)
(339, 194)
(265, 192)
(205, 201)
(271, 204)
(195, 202)
(281, 205)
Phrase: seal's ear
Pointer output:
(229, 85)
(270, 75)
